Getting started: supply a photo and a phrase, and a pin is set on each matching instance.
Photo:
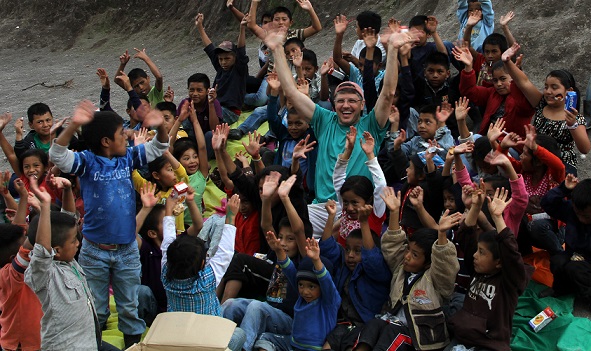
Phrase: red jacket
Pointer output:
(518, 111)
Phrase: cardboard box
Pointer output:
(542, 319)
(184, 331)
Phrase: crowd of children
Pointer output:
(388, 207)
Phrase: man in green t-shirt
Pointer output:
(331, 127)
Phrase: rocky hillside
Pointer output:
(554, 35)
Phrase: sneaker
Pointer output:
(235, 134)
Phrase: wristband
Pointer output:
(574, 126)
(256, 159)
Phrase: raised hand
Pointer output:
(443, 112)
(312, 249)
(19, 126)
(498, 202)
(286, 186)
(245, 20)
(169, 94)
(496, 129)
(59, 182)
(504, 20)
(394, 24)
(220, 136)
(394, 116)
(478, 195)
(462, 108)
(463, 55)
(270, 185)
(511, 140)
(530, 137)
(448, 221)
(467, 195)
(104, 78)
(497, 159)
(5, 118)
(140, 136)
(41, 194)
(351, 138)
(229, 3)
(254, 144)
(474, 18)
(416, 196)
(141, 54)
(5, 181)
(84, 113)
(297, 58)
(233, 205)
(327, 66)
(302, 148)
(305, 5)
(398, 39)
(391, 199)
(154, 118)
(370, 38)
(199, 20)
(431, 24)
(404, 50)
(400, 139)
(241, 156)
(123, 80)
(368, 143)
(364, 212)
(510, 52)
(340, 24)
(273, 81)
(330, 206)
(274, 39)
(124, 58)
(570, 182)
(212, 94)
(274, 243)
(570, 117)
(19, 185)
(464, 148)
(303, 86)
(147, 195)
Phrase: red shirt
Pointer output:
(248, 239)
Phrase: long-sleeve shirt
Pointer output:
(197, 294)
(69, 317)
(21, 309)
(107, 189)
(313, 321)
(482, 29)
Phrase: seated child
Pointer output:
(41, 122)
(172, 122)
(188, 275)
(140, 81)
(424, 270)
(486, 317)
(569, 203)
(231, 65)
(360, 275)
(364, 20)
(424, 27)
(315, 311)
(486, 23)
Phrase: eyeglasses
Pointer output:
(348, 101)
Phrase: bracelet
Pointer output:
(574, 126)
(256, 159)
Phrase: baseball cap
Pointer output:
(350, 85)
(225, 46)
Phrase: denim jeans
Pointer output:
(122, 268)
(147, 308)
(228, 116)
(260, 97)
(274, 342)
(254, 121)
(237, 340)
(543, 235)
(256, 317)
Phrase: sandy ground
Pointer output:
(24, 67)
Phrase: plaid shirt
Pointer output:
(196, 294)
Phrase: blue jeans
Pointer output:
(147, 308)
(228, 116)
(237, 340)
(254, 121)
(122, 268)
(274, 342)
(260, 97)
(256, 317)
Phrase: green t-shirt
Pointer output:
(155, 96)
(331, 142)
(197, 182)
(40, 145)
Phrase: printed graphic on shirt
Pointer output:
(277, 291)
(420, 297)
(483, 290)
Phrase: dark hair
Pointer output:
(369, 19)
(581, 195)
(40, 154)
(140, 96)
(488, 239)
(549, 143)
(285, 173)
(283, 223)
(166, 106)
(498, 181)
(10, 241)
(310, 56)
(182, 145)
(61, 223)
(496, 39)
(281, 9)
(103, 125)
(360, 186)
(424, 238)
(37, 109)
(430, 109)
(356, 234)
(377, 55)
(296, 41)
(135, 74)
(151, 222)
(266, 14)
(418, 21)
(437, 58)
(186, 256)
(155, 166)
(568, 81)
(481, 149)
(199, 78)
(498, 66)
(419, 166)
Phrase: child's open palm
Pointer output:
(233, 205)
(4, 120)
(504, 20)
(154, 118)
(448, 221)
(498, 202)
(270, 185)
(370, 38)
(139, 137)
(327, 66)
(511, 140)
(274, 243)
(464, 148)
(104, 78)
(340, 24)
(444, 111)
(570, 182)
(305, 5)
(286, 186)
(462, 108)
(84, 112)
(510, 52)
(394, 116)
(463, 55)
(312, 249)
(147, 195)
(350, 138)
(302, 147)
(368, 143)
(391, 199)
(273, 81)
(254, 144)
(478, 194)
(530, 137)
(474, 18)
(496, 129)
